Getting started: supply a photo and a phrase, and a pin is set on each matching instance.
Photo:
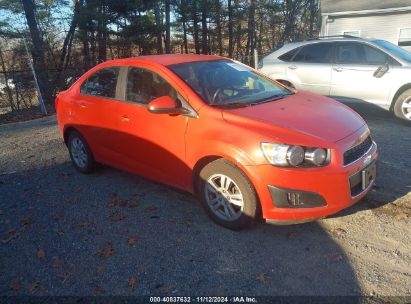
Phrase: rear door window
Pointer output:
(315, 53)
(102, 83)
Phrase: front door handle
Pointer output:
(338, 69)
(83, 105)
(292, 67)
(125, 118)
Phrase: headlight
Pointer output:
(316, 156)
(294, 156)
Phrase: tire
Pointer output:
(242, 212)
(402, 106)
(80, 153)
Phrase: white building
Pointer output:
(383, 19)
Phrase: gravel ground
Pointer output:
(112, 233)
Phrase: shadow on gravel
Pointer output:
(112, 233)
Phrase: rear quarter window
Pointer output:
(289, 55)
(102, 83)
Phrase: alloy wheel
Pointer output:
(78, 151)
(406, 107)
(224, 197)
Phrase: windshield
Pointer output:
(395, 50)
(226, 82)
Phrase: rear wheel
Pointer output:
(227, 195)
(402, 106)
(80, 153)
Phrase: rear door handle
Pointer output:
(125, 118)
(338, 69)
(292, 67)
(83, 105)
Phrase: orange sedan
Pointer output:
(247, 146)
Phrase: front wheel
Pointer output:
(402, 106)
(227, 195)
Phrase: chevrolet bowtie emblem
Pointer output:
(367, 159)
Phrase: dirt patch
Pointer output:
(25, 114)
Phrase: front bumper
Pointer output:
(331, 183)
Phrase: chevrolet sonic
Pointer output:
(249, 147)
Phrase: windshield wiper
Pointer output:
(272, 98)
(230, 105)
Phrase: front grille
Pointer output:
(357, 152)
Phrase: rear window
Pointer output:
(315, 53)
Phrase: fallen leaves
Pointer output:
(100, 268)
(401, 216)
(107, 250)
(165, 289)
(56, 262)
(64, 276)
(132, 282)
(339, 232)
(80, 225)
(15, 285)
(34, 287)
(291, 235)
(132, 241)
(336, 257)
(151, 209)
(188, 223)
(58, 217)
(261, 277)
(24, 224)
(122, 203)
(117, 217)
(41, 253)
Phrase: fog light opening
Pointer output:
(294, 198)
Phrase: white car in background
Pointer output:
(347, 69)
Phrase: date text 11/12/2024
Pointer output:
(239, 299)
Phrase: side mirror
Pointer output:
(381, 70)
(165, 105)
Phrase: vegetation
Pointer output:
(66, 38)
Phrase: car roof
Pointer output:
(292, 45)
(169, 59)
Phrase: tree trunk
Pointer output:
(102, 33)
(204, 44)
(168, 28)
(219, 28)
(249, 53)
(37, 50)
(313, 12)
(230, 29)
(68, 41)
(185, 35)
(159, 24)
(195, 27)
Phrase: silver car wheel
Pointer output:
(406, 107)
(224, 197)
(78, 151)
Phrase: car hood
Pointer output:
(307, 113)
